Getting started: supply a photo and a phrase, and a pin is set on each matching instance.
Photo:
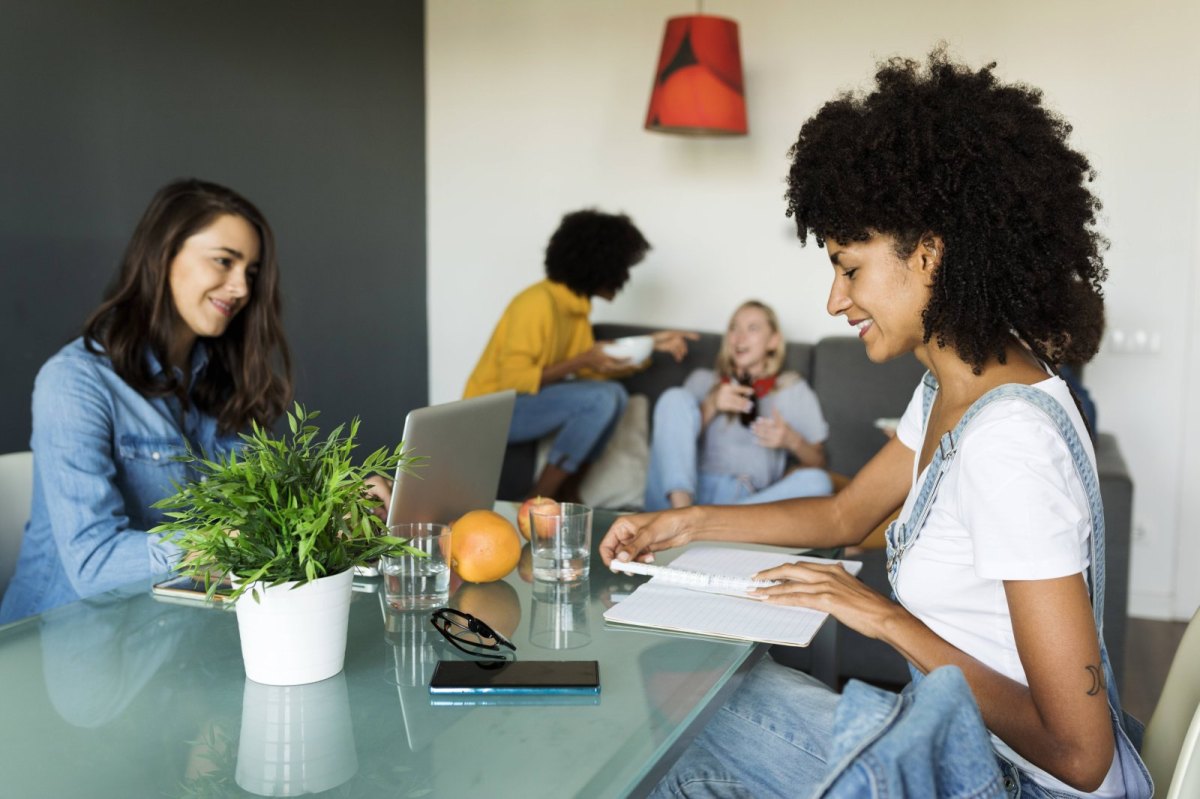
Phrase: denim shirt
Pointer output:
(102, 455)
(929, 740)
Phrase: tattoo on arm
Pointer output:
(1098, 682)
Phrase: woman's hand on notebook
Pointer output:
(830, 589)
(639, 535)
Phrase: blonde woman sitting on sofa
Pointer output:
(746, 432)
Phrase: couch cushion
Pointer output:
(854, 392)
(618, 477)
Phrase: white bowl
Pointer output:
(632, 348)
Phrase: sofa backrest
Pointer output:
(853, 391)
(664, 372)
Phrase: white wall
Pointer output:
(535, 108)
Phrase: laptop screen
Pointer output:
(463, 444)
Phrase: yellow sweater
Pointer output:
(545, 324)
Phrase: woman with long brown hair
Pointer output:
(186, 350)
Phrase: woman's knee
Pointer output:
(611, 399)
(808, 482)
(622, 395)
(675, 402)
(813, 482)
(773, 697)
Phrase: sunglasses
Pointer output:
(470, 635)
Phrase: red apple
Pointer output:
(526, 506)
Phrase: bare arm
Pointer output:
(674, 342)
(807, 453)
(1059, 721)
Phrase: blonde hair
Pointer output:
(775, 357)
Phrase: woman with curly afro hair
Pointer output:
(960, 228)
(544, 339)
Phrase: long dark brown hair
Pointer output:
(249, 372)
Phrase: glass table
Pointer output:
(128, 695)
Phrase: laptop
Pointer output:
(463, 444)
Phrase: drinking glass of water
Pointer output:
(561, 538)
(418, 583)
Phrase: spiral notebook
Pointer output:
(662, 605)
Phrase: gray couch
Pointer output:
(853, 393)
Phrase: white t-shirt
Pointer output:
(1011, 507)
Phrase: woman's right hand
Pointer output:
(596, 360)
(733, 397)
(600, 361)
(639, 535)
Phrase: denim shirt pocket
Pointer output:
(148, 471)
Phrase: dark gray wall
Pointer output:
(313, 110)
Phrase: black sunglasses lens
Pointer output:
(447, 622)
(480, 628)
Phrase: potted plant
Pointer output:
(285, 519)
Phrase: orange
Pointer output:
(496, 604)
(525, 564)
(484, 546)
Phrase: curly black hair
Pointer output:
(946, 150)
(592, 252)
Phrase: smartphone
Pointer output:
(517, 677)
(191, 589)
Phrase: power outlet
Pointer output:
(1134, 342)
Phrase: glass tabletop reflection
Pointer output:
(130, 695)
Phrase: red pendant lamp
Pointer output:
(698, 87)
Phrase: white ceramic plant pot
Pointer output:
(294, 637)
(295, 739)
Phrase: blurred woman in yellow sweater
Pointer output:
(544, 349)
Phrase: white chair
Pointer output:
(1186, 781)
(1171, 748)
(16, 495)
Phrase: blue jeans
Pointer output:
(929, 740)
(584, 412)
(771, 738)
(783, 733)
(674, 464)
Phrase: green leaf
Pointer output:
(296, 502)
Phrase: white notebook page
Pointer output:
(670, 607)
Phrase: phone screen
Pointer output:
(516, 677)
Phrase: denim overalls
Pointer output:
(871, 760)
